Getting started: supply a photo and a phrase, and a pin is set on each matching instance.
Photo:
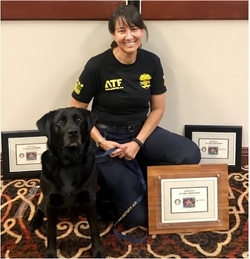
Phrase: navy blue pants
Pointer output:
(123, 185)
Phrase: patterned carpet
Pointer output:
(17, 208)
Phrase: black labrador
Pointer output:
(68, 180)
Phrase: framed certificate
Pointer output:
(187, 198)
(218, 144)
(22, 151)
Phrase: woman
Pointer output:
(127, 86)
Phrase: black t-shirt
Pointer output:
(121, 92)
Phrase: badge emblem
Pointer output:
(145, 81)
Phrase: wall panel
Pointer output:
(100, 10)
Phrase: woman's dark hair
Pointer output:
(130, 14)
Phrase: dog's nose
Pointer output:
(72, 133)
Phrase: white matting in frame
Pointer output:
(189, 200)
(217, 145)
(25, 153)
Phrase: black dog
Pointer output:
(68, 180)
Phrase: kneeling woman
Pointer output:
(127, 86)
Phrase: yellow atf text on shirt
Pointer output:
(113, 84)
(78, 87)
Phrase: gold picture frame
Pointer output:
(187, 198)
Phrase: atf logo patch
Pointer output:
(145, 80)
(78, 87)
(113, 84)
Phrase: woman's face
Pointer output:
(128, 39)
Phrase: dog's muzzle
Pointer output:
(72, 138)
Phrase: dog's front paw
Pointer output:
(50, 254)
(98, 253)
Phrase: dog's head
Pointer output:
(67, 127)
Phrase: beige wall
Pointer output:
(205, 63)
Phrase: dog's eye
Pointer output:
(78, 120)
(60, 122)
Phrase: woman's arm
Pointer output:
(153, 119)
(95, 134)
(78, 104)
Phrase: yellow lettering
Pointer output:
(119, 81)
(113, 81)
(113, 84)
(107, 85)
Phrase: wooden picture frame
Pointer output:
(218, 144)
(21, 153)
(194, 10)
(206, 186)
(102, 9)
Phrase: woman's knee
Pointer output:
(193, 154)
(186, 153)
(138, 216)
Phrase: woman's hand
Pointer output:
(127, 150)
(108, 144)
(130, 149)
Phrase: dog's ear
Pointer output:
(43, 124)
(90, 117)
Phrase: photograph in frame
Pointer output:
(218, 144)
(21, 153)
(187, 198)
